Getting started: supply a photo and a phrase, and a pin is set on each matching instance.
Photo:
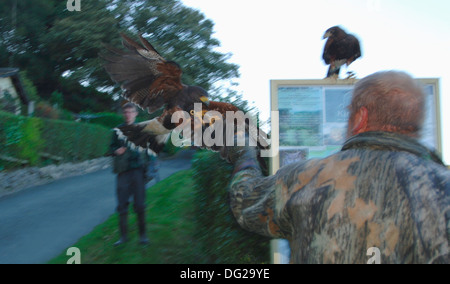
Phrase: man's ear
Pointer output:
(361, 121)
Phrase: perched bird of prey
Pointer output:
(153, 83)
(341, 48)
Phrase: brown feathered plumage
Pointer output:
(147, 79)
(152, 83)
(340, 49)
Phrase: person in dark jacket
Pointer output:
(384, 192)
(130, 165)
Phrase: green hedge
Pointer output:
(223, 240)
(112, 119)
(27, 138)
(107, 119)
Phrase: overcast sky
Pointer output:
(283, 40)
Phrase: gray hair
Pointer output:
(394, 100)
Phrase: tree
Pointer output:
(183, 35)
(59, 49)
(74, 41)
(22, 25)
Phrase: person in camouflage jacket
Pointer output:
(384, 189)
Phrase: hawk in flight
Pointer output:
(340, 49)
(153, 83)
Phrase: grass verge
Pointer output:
(170, 228)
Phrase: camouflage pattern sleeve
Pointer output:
(333, 210)
(254, 199)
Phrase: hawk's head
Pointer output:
(334, 32)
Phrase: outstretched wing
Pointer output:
(147, 79)
(216, 127)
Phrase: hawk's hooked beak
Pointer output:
(205, 100)
(326, 35)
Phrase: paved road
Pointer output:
(39, 223)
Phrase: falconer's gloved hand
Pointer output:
(242, 157)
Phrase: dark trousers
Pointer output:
(131, 183)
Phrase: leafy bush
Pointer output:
(29, 87)
(45, 110)
(113, 119)
(30, 144)
(10, 137)
(27, 138)
(75, 141)
(223, 240)
(107, 119)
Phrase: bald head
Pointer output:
(387, 101)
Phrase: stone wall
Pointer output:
(11, 182)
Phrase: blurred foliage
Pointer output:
(114, 119)
(183, 35)
(171, 149)
(107, 119)
(8, 102)
(56, 98)
(44, 109)
(30, 144)
(29, 87)
(75, 141)
(222, 239)
(27, 138)
(59, 49)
